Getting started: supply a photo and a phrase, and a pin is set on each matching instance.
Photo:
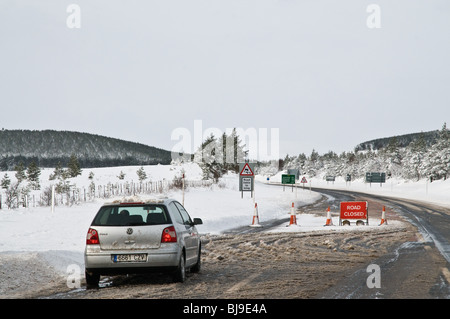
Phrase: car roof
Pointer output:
(128, 202)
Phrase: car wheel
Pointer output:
(180, 273)
(92, 280)
(198, 265)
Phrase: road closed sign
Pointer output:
(351, 211)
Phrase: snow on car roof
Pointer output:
(137, 201)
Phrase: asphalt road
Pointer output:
(418, 268)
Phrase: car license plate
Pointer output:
(129, 258)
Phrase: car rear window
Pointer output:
(132, 215)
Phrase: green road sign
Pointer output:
(287, 179)
(375, 177)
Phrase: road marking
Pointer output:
(241, 283)
(446, 274)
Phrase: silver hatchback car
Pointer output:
(151, 236)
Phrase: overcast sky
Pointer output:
(138, 70)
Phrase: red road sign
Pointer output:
(354, 210)
(246, 171)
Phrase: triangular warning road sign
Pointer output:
(304, 180)
(246, 171)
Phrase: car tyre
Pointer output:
(180, 273)
(92, 280)
(196, 268)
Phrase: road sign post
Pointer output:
(246, 178)
(288, 179)
(376, 177)
(348, 179)
(303, 181)
(330, 178)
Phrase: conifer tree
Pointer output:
(74, 168)
(142, 175)
(5, 181)
(57, 173)
(440, 157)
(415, 155)
(121, 175)
(216, 156)
(20, 172)
(33, 173)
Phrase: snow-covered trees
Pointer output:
(142, 175)
(62, 175)
(16, 191)
(414, 159)
(33, 173)
(73, 167)
(48, 147)
(421, 158)
(216, 156)
(6, 181)
(438, 156)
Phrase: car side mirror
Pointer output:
(198, 221)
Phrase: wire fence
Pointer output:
(73, 195)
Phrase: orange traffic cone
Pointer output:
(383, 217)
(255, 222)
(293, 220)
(329, 222)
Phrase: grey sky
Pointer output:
(137, 70)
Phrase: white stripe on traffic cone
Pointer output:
(255, 222)
(383, 217)
(329, 222)
(293, 220)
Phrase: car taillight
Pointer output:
(92, 237)
(169, 235)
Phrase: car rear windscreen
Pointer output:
(132, 215)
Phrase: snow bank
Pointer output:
(310, 223)
(221, 206)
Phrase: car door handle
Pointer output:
(130, 242)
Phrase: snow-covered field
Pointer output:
(59, 237)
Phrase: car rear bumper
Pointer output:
(102, 262)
